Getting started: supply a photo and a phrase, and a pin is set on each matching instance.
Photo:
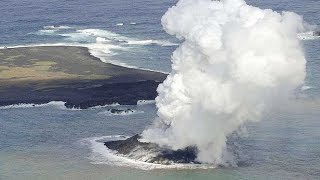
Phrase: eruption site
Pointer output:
(235, 61)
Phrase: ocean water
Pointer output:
(51, 142)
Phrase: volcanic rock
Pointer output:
(135, 149)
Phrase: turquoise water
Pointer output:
(51, 142)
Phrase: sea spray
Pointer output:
(235, 61)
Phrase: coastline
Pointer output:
(41, 74)
(87, 46)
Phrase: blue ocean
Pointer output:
(52, 142)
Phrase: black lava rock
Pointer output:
(120, 111)
(164, 155)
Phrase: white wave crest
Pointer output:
(102, 44)
(56, 27)
(144, 102)
(46, 32)
(102, 33)
(102, 40)
(308, 36)
(51, 30)
(57, 104)
(40, 45)
(305, 87)
(107, 105)
(151, 42)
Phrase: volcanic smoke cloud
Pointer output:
(235, 61)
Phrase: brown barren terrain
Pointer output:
(70, 74)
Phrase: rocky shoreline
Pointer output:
(84, 97)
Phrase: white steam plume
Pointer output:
(235, 61)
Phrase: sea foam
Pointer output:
(56, 104)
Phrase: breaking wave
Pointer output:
(308, 36)
(103, 44)
(305, 87)
(57, 104)
(90, 36)
(56, 27)
(143, 102)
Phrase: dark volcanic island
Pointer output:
(38, 75)
(152, 153)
